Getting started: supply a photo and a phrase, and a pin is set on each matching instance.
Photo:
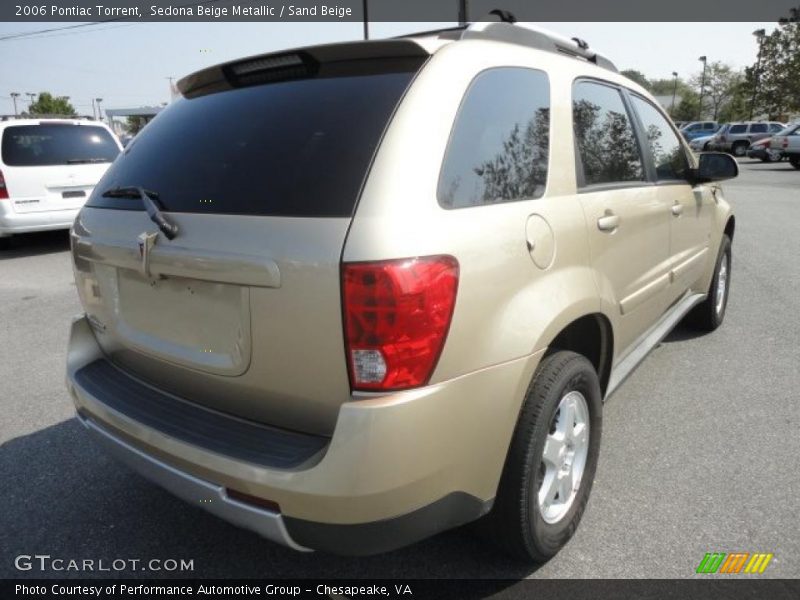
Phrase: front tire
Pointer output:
(552, 460)
(794, 160)
(739, 149)
(709, 314)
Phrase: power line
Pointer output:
(64, 33)
(27, 34)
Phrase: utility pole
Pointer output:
(366, 20)
(30, 96)
(462, 12)
(674, 90)
(99, 110)
(14, 96)
(704, 60)
(94, 112)
(759, 33)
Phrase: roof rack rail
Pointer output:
(526, 34)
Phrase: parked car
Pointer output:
(788, 143)
(699, 128)
(700, 144)
(349, 329)
(737, 137)
(763, 150)
(48, 168)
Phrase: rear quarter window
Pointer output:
(499, 145)
(56, 144)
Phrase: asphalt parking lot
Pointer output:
(700, 449)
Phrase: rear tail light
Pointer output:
(785, 143)
(3, 188)
(396, 317)
(766, 145)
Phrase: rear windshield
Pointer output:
(57, 144)
(292, 148)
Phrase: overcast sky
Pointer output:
(128, 64)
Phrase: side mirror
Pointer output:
(715, 166)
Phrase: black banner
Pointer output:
(642, 589)
(393, 10)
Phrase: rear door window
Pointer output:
(57, 144)
(606, 143)
(498, 148)
(737, 129)
(758, 128)
(298, 147)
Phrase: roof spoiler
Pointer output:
(293, 63)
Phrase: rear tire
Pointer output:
(773, 156)
(562, 414)
(709, 314)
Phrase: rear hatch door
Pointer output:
(241, 311)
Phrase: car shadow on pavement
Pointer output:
(63, 497)
(682, 333)
(33, 244)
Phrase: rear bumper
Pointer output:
(267, 523)
(397, 469)
(47, 220)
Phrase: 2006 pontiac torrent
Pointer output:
(353, 295)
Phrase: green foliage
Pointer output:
(689, 106)
(720, 84)
(47, 104)
(637, 76)
(134, 124)
(738, 107)
(778, 84)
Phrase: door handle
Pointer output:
(608, 222)
(677, 209)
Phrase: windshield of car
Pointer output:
(57, 144)
(293, 148)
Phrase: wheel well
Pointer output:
(592, 337)
(729, 227)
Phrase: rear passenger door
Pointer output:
(627, 220)
(690, 209)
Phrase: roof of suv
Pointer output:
(295, 62)
(8, 122)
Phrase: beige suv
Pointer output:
(351, 295)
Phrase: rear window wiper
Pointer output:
(156, 216)
(80, 161)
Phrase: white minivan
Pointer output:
(48, 168)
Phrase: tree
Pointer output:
(738, 107)
(689, 106)
(778, 92)
(637, 76)
(47, 104)
(719, 87)
(134, 124)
